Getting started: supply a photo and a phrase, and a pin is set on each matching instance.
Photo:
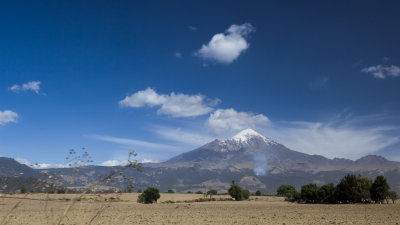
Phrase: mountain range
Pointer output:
(252, 160)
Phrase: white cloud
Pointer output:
(226, 47)
(190, 138)
(382, 72)
(345, 139)
(114, 162)
(178, 54)
(192, 28)
(30, 86)
(228, 120)
(131, 142)
(40, 165)
(175, 105)
(8, 116)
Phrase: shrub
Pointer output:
(379, 189)
(286, 190)
(393, 195)
(238, 193)
(258, 193)
(289, 192)
(352, 188)
(309, 193)
(199, 192)
(149, 196)
(170, 191)
(212, 192)
(326, 193)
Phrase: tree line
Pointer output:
(350, 189)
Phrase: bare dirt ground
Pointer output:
(123, 209)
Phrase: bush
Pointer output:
(353, 189)
(199, 192)
(289, 192)
(258, 193)
(309, 192)
(393, 195)
(326, 193)
(286, 190)
(379, 189)
(238, 193)
(212, 192)
(170, 191)
(149, 196)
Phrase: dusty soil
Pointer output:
(123, 209)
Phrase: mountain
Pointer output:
(11, 168)
(252, 160)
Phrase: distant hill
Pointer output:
(252, 160)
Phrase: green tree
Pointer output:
(326, 193)
(149, 196)
(212, 192)
(289, 192)
(393, 195)
(245, 194)
(352, 188)
(286, 190)
(170, 191)
(237, 192)
(379, 189)
(309, 192)
(258, 193)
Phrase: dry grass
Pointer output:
(98, 209)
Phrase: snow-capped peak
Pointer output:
(247, 134)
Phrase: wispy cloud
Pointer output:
(30, 86)
(8, 116)
(184, 136)
(349, 138)
(192, 28)
(319, 83)
(229, 120)
(175, 105)
(178, 54)
(40, 165)
(382, 72)
(226, 47)
(131, 142)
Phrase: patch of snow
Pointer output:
(247, 134)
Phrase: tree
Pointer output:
(258, 193)
(170, 191)
(286, 190)
(212, 192)
(353, 189)
(326, 193)
(379, 189)
(393, 195)
(245, 194)
(149, 196)
(289, 192)
(309, 192)
(237, 192)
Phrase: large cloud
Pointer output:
(175, 105)
(228, 120)
(382, 72)
(7, 116)
(30, 86)
(226, 47)
(351, 139)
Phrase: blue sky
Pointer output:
(164, 78)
